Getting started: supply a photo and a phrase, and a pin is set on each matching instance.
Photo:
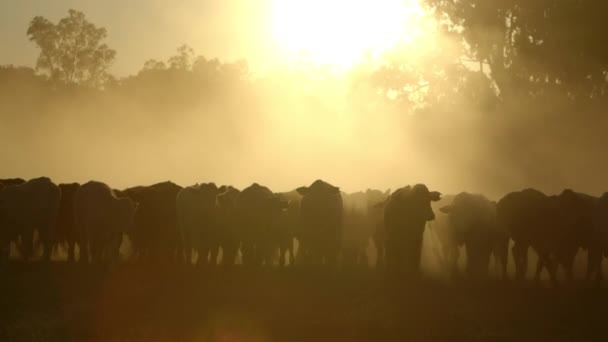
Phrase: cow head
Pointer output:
(446, 209)
(303, 190)
(416, 200)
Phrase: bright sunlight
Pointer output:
(342, 32)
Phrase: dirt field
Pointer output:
(61, 302)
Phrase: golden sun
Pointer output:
(342, 32)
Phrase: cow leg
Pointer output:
(540, 264)
(229, 254)
(215, 254)
(27, 244)
(83, 258)
(380, 254)
(566, 258)
(187, 252)
(95, 250)
(5, 249)
(501, 251)
(71, 257)
(520, 257)
(552, 268)
(247, 252)
(46, 239)
(415, 256)
(203, 255)
(594, 264)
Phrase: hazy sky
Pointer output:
(144, 29)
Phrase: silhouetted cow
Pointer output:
(258, 211)
(197, 222)
(228, 225)
(405, 216)
(362, 221)
(101, 219)
(25, 208)
(321, 213)
(65, 228)
(529, 218)
(287, 226)
(573, 222)
(155, 235)
(473, 223)
(598, 247)
(11, 181)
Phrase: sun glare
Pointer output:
(342, 32)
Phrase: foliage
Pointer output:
(535, 47)
(71, 51)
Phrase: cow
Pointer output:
(101, 219)
(287, 226)
(197, 222)
(406, 213)
(528, 216)
(65, 229)
(321, 211)
(155, 236)
(25, 208)
(258, 210)
(362, 222)
(472, 222)
(573, 223)
(228, 224)
(598, 247)
(11, 181)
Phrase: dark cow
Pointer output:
(473, 223)
(155, 235)
(228, 225)
(556, 227)
(11, 181)
(598, 247)
(377, 201)
(258, 210)
(197, 222)
(362, 221)
(405, 216)
(573, 222)
(101, 220)
(528, 216)
(321, 212)
(288, 226)
(25, 208)
(65, 228)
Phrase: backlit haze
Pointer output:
(324, 97)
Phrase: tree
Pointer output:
(71, 51)
(183, 60)
(535, 47)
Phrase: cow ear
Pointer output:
(446, 209)
(435, 196)
(303, 190)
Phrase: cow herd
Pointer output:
(316, 226)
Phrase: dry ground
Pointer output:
(61, 302)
